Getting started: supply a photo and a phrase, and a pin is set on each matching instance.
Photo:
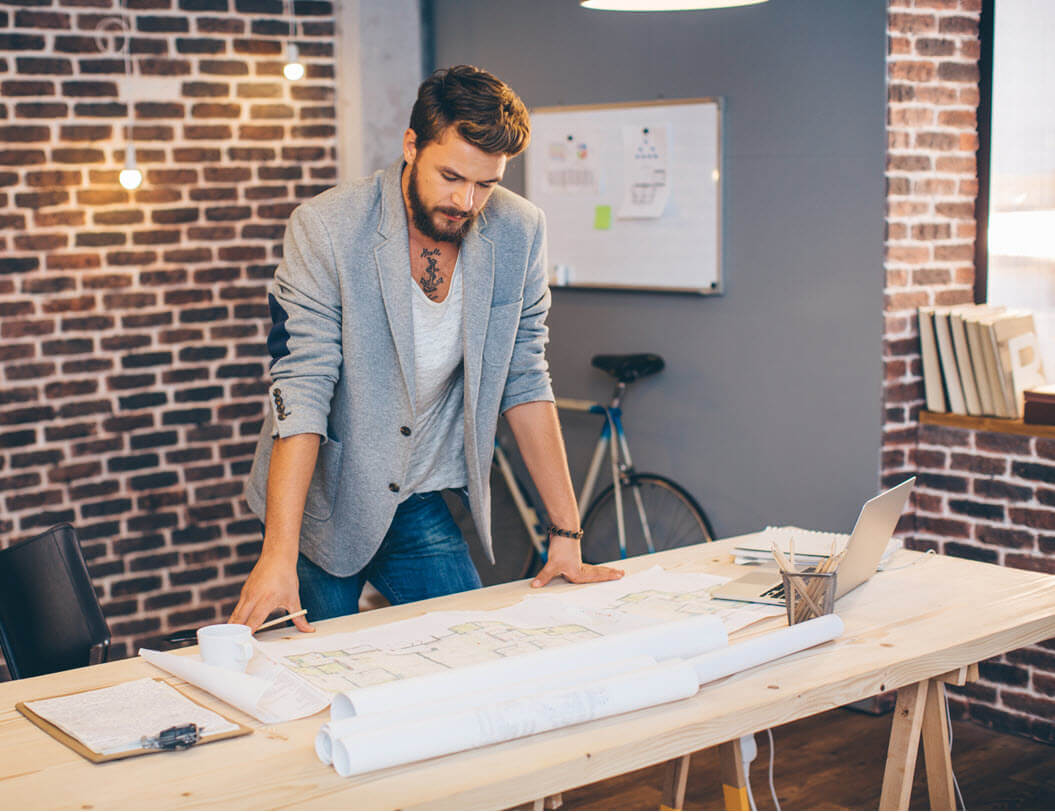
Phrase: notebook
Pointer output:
(864, 547)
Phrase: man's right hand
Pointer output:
(271, 584)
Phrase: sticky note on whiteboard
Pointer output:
(602, 218)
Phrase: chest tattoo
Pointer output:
(430, 279)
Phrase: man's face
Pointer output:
(449, 183)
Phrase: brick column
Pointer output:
(980, 495)
(932, 95)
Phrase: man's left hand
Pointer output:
(565, 558)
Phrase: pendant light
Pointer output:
(293, 69)
(107, 31)
(663, 5)
(131, 177)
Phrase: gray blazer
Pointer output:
(342, 353)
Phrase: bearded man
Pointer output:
(408, 313)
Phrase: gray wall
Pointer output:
(769, 410)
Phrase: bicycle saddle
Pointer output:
(628, 368)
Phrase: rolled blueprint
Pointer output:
(446, 733)
(691, 636)
(335, 729)
(271, 693)
(733, 659)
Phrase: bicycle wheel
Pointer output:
(672, 516)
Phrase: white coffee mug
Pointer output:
(226, 645)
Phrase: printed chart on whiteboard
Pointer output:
(631, 192)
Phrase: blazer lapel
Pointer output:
(392, 255)
(477, 257)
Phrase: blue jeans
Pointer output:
(423, 555)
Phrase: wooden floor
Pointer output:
(835, 761)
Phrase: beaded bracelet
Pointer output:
(553, 530)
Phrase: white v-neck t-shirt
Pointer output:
(437, 460)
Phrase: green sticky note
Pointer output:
(602, 218)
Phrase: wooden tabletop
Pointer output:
(926, 616)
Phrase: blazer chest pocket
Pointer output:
(324, 482)
(501, 332)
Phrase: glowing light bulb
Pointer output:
(130, 177)
(293, 69)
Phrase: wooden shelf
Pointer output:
(996, 424)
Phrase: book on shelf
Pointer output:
(1041, 394)
(979, 359)
(977, 343)
(1039, 405)
(947, 355)
(1027, 368)
(932, 385)
(963, 358)
(1001, 407)
(1006, 334)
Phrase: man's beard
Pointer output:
(423, 217)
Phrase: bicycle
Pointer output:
(637, 513)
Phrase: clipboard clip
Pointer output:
(179, 737)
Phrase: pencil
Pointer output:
(282, 619)
(782, 562)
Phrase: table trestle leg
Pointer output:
(904, 746)
(936, 756)
(549, 802)
(674, 783)
(921, 712)
(734, 777)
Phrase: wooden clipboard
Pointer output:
(97, 758)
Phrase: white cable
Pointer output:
(955, 783)
(772, 789)
(747, 783)
(107, 31)
(748, 753)
(923, 557)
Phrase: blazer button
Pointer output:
(404, 430)
(392, 486)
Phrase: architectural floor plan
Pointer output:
(449, 640)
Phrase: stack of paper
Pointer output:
(811, 546)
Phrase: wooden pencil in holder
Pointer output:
(808, 594)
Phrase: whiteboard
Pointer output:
(631, 192)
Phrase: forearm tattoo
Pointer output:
(431, 280)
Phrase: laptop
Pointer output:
(874, 528)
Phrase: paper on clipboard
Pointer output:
(109, 723)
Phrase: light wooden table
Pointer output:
(906, 629)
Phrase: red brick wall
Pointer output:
(982, 495)
(132, 324)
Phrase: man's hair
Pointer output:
(483, 109)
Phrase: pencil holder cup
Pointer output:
(808, 595)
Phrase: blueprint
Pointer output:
(441, 641)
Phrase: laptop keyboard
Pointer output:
(777, 592)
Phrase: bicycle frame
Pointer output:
(620, 461)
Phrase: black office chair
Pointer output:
(50, 619)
